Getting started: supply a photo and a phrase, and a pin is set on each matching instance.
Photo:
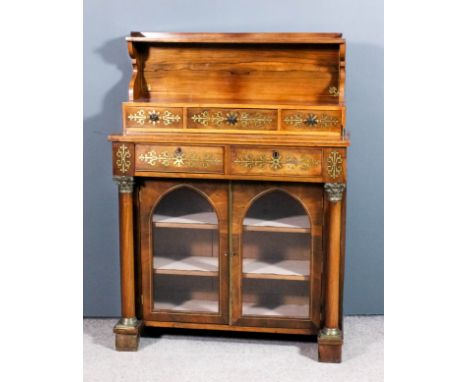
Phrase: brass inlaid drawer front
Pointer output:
(244, 119)
(311, 120)
(153, 117)
(179, 159)
(276, 161)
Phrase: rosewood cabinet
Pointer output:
(231, 170)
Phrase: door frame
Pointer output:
(310, 195)
(151, 192)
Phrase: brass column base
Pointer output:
(330, 342)
(127, 334)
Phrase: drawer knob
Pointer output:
(275, 154)
(178, 151)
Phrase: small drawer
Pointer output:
(237, 119)
(276, 161)
(171, 158)
(153, 117)
(312, 120)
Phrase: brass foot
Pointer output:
(127, 334)
(330, 342)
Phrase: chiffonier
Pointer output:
(231, 169)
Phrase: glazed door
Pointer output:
(184, 246)
(276, 254)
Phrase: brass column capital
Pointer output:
(335, 191)
(125, 183)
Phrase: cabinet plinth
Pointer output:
(231, 170)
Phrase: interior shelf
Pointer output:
(192, 305)
(299, 224)
(192, 265)
(284, 310)
(201, 220)
(282, 270)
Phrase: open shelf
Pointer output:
(189, 266)
(192, 305)
(201, 220)
(282, 270)
(284, 310)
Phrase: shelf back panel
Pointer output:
(247, 73)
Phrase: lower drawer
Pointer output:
(276, 161)
(172, 158)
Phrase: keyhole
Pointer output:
(275, 154)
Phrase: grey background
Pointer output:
(106, 75)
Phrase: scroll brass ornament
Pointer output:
(231, 118)
(178, 159)
(154, 117)
(276, 162)
(310, 120)
(334, 164)
(170, 118)
(334, 191)
(333, 91)
(122, 162)
(139, 117)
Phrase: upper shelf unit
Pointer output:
(247, 68)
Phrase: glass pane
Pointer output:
(276, 257)
(277, 298)
(185, 253)
(186, 293)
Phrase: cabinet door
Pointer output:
(277, 254)
(183, 240)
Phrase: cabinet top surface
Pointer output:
(237, 38)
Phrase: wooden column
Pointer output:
(330, 339)
(127, 329)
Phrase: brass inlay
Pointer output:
(310, 120)
(123, 155)
(169, 118)
(139, 117)
(276, 162)
(333, 91)
(334, 164)
(179, 159)
(232, 118)
(154, 117)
